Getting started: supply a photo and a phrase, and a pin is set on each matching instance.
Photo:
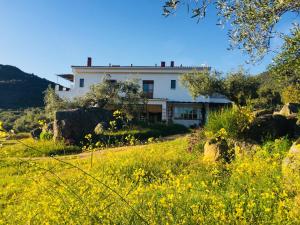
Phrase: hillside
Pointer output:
(19, 89)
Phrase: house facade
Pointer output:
(168, 100)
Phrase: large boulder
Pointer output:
(291, 168)
(289, 109)
(73, 125)
(217, 151)
(272, 126)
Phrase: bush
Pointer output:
(8, 117)
(28, 120)
(278, 147)
(291, 94)
(234, 121)
(46, 135)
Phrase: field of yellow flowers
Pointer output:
(158, 183)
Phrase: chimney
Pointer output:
(172, 63)
(89, 62)
(162, 64)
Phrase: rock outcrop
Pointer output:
(73, 125)
(217, 151)
(272, 126)
(289, 109)
(291, 168)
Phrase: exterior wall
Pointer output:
(162, 95)
(187, 123)
(162, 85)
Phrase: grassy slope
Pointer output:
(162, 182)
(22, 148)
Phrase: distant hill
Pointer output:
(21, 90)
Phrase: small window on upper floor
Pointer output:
(81, 82)
(148, 88)
(173, 84)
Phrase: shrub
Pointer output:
(8, 117)
(46, 135)
(278, 147)
(28, 120)
(232, 121)
(291, 94)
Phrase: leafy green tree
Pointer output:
(252, 22)
(268, 91)
(238, 86)
(54, 103)
(241, 87)
(286, 65)
(205, 83)
(126, 96)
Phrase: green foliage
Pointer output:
(278, 147)
(238, 85)
(46, 134)
(252, 22)
(28, 120)
(23, 148)
(231, 122)
(3, 133)
(286, 65)
(268, 92)
(54, 103)
(8, 117)
(137, 133)
(205, 83)
(291, 94)
(126, 96)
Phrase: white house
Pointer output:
(168, 100)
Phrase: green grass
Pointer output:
(17, 147)
(137, 134)
(160, 183)
(143, 131)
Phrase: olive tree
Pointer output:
(238, 86)
(285, 68)
(126, 96)
(54, 103)
(252, 22)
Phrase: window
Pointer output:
(81, 82)
(173, 84)
(186, 113)
(148, 87)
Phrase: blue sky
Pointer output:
(46, 37)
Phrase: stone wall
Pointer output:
(73, 125)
